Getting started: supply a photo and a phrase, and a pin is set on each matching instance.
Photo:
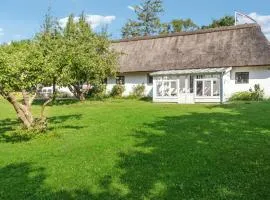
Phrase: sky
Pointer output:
(21, 19)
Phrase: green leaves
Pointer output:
(148, 21)
(16, 72)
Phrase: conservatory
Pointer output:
(189, 86)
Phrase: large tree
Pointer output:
(19, 72)
(224, 21)
(147, 22)
(88, 58)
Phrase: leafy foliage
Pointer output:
(179, 25)
(257, 94)
(88, 57)
(74, 56)
(252, 95)
(117, 90)
(147, 22)
(224, 21)
(98, 91)
(241, 96)
(138, 91)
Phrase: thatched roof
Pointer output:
(242, 45)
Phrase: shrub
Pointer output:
(241, 96)
(252, 95)
(117, 91)
(98, 91)
(138, 91)
(257, 94)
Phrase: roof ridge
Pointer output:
(200, 31)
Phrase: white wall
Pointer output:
(132, 80)
(257, 75)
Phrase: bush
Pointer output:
(138, 91)
(257, 94)
(252, 95)
(241, 96)
(98, 91)
(117, 91)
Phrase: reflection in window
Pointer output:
(166, 88)
(216, 87)
(173, 88)
(241, 77)
(207, 88)
(182, 84)
(199, 86)
(159, 89)
(120, 80)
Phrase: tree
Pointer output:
(17, 74)
(50, 45)
(224, 21)
(147, 22)
(88, 58)
(179, 25)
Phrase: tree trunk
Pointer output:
(78, 92)
(42, 115)
(23, 113)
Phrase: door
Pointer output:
(185, 97)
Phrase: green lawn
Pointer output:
(127, 149)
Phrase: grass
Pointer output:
(129, 149)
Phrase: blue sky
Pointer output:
(20, 19)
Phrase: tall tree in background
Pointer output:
(147, 22)
(224, 21)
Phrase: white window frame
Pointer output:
(212, 88)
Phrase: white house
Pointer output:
(200, 66)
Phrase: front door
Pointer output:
(185, 95)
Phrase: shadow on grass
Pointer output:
(215, 155)
(11, 132)
(26, 181)
(210, 155)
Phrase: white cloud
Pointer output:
(262, 20)
(93, 20)
(131, 8)
(1, 32)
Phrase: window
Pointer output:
(120, 80)
(166, 88)
(241, 77)
(199, 87)
(207, 87)
(149, 79)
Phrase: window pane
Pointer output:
(199, 91)
(207, 88)
(120, 80)
(149, 79)
(191, 83)
(159, 89)
(173, 88)
(182, 84)
(216, 87)
(241, 77)
(166, 88)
